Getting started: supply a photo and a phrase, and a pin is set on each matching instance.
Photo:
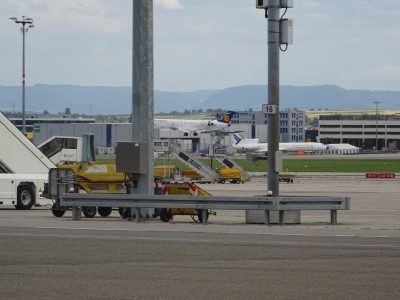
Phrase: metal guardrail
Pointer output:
(138, 201)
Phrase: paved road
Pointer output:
(64, 263)
(42, 257)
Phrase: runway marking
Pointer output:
(197, 240)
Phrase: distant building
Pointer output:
(361, 130)
(311, 135)
(33, 123)
(249, 124)
(292, 123)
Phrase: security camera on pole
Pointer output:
(280, 32)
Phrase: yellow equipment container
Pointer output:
(191, 174)
(166, 171)
(184, 189)
(231, 175)
(98, 177)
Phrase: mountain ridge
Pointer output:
(117, 99)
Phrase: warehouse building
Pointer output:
(379, 132)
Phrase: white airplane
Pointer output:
(253, 145)
(195, 126)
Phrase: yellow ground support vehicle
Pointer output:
(101, 177)
(184, 189)
(191, 174)
(165, 171)
(98, 177)
(231, 175)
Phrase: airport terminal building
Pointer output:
(363, 131)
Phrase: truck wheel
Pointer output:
(200, 215)
(164, 216)
(89, 211)
(124, 212)
(25, 197)
(58, 212)
(104, 211)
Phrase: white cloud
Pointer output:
(169, 4)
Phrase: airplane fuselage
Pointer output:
(253, 145)
(190, 125)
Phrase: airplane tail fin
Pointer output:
(237, 138)
(226, 117)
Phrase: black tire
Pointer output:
(164, 216)
(58, 212)
(25, 197)
(125, 212)
(200, 215)
(121, 211)
(104, 211)
(89, 211)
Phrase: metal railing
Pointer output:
(138, 201)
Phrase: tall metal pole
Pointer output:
(273, 93)
(23, 78)
(24, 21)
(143, 87)
(376, 124)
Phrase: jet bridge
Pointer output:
(200, 167)
(18, 154)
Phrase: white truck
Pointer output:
(23, 169)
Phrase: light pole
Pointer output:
(280, 32)
(26, 24)
(376, 124)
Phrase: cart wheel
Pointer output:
(104, 211)
(124, 212)
(164, 216)
(200, 215)
(57, 211)
(89, 211)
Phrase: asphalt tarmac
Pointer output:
(43, 257)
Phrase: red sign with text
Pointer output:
(380, 175)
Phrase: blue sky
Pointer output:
(203, 44)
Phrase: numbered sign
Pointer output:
(269, 109)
